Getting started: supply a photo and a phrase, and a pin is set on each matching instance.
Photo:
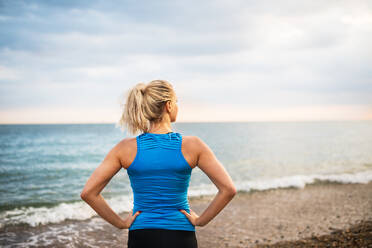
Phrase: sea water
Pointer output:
(43, 168)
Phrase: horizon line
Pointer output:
(183, 122)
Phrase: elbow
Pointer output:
(233, 191)
(230, 192)
(88, 195)
(84, 195)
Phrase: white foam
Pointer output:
(72, 234)
(300, 181)
(76, 211)
(296, 181)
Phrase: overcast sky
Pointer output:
(72, 61)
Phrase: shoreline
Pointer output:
(282, 217)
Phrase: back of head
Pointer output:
(144, 103)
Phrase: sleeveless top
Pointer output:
(159, 176)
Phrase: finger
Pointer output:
(190, 212)
(136, 214)
(184, 212)
(132, 217)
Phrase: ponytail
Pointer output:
(144, 104)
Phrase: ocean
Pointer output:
(43, 168)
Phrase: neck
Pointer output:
(162, 127)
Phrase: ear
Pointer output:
(168, 106)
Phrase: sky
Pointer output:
(74, 61)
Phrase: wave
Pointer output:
(80, 210)
(300, 181)
(296, 181)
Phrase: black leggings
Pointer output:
(161, 238)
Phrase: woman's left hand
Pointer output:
(192, 216)
(129, 220)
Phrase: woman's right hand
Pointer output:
(192, 216)
(129, 220)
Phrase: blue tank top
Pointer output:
(159, 176)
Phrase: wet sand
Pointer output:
(308, 217)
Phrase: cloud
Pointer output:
(261, 54)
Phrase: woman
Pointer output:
(159, 163)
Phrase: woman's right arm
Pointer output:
(210, 165)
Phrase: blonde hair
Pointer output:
(144, 104)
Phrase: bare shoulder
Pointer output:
(194, 142)
(126, 150)
(191, 142)
(188, 139)
(192, 148)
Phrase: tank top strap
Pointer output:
(172, 141)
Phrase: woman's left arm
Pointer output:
(96, 183)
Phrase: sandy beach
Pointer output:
(262, 219)
(288, 217)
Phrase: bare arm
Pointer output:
(210, 165)
(96, 183)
